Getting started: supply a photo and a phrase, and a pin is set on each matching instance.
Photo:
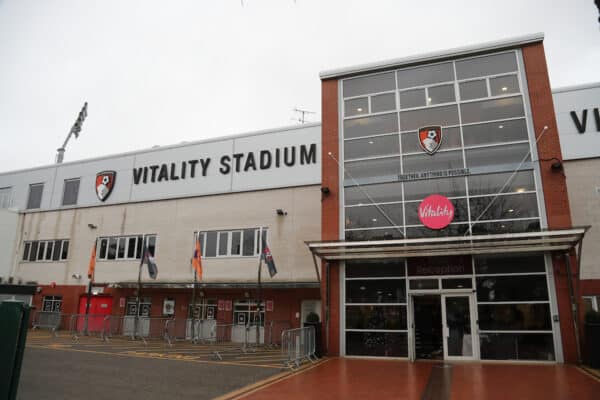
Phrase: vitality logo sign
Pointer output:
(430, 138)
(105, 182)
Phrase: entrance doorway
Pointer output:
(443, 326)
(427, 311)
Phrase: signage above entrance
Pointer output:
(436, 211)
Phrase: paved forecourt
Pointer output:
(60, 367)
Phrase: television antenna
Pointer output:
(75, 129)
(301, 115)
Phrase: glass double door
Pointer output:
(443, 327)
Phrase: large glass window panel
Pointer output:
(64, 252)
(373, 170)
(103, 248)
(367, 126)
(223, 237)
(495, 132)
(513, 346)
(449, 187)
(248, 247)
(423, 284)
(490, 110)
(438, 162)
(412, 98)
(41, 251)
(473, 90)
(374, 216)
(375, 234)
(377, 344)
(372, 147)
(356, 106)
(369, 84)
(376, 291)
(486, 65)
(460, 211)
(131, 247)
(485, 228)
(112, 248)
(71, 190)
(442, 115)
(57, 246)
(121, 249)
(33, 251)
(450, 140)
(376, 317)
(510, 206)
(49, 248)
(440, 94)
(35, 196)
(211, 244)
(26, 249)
(502, 264)
(423, 232)
(151, 244)
(378, 193)
(504, 85)
(512, 288)
(507, 157)
(514, 317)
(460, 283)
(425, 75)
(236, 243)
(374, 268)
(383, 102)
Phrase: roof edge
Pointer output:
(433, 56)
(572, 88)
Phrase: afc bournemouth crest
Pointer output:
(430, 138)
(105, 182)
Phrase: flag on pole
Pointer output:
(149, 260)
(92, 266)
(197, 259)
(268, 257)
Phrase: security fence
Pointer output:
(133, 327)
(86, 324)
(298, 345)
(51, 320)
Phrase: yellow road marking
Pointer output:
(125, 354)
(265, 383)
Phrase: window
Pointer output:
(125, 247)
(5, 197)
(245, 312)
(52, 304)
(71, 191)
(35, 196)
(232, 243)
(46, 250)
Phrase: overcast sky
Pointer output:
(163, 72)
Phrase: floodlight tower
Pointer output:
(75, 129)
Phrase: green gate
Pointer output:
(14, 316)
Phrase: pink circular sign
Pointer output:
(436, 211)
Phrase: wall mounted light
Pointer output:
(325, 190)
(281, 212)
(92, 226)
(76, 276)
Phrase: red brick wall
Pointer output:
(330, 220)
(556, 199)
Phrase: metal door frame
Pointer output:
(474, 334)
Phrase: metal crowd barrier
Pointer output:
(90, 324)
(188, 329)
(47, 320)
(273, 333)
(298, 345)
(130, 326)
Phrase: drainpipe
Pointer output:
(574, 307)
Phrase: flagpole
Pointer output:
(137, 302)
(87, 306)
(259, 300)
(194, 306)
